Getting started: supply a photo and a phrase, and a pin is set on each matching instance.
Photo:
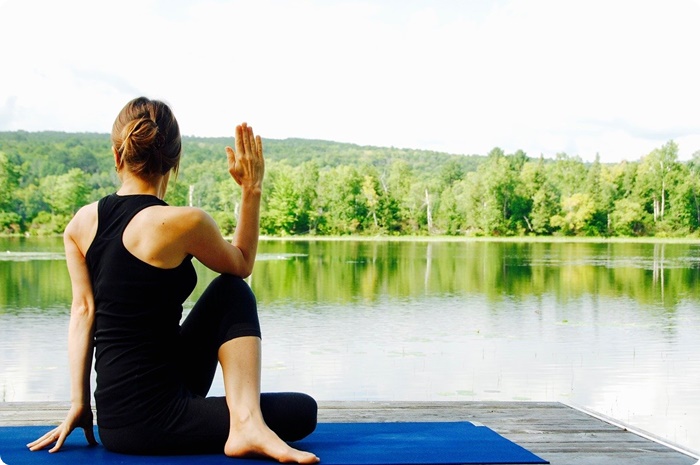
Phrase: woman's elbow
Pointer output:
(244, 271)
(82, 310)
(242, 264)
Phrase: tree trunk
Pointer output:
(656, 209)
(663, 198)
(429, 212)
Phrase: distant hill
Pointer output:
(329, 154)
(49, 152)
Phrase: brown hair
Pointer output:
(147, 137)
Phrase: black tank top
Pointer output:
(138, 308)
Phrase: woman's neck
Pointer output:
(133, 185)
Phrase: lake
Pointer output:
(612, 327)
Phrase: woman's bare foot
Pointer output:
(252, 437)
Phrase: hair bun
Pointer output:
(140, 133)
(147, 138)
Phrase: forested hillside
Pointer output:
(328, 188)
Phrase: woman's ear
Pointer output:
(117, 158)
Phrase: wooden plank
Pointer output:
(554, 431)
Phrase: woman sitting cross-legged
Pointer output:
(129, 258)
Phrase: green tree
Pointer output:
(498, 178)
(10, 175)
(279, 215)
(693, 182)
(598, 223)
(577, 211)
(403, 185)
(567, 174)
(10, 222)
(65, 193)
(655, 175)
(30, 202)
(450, 172)
(382, 208)
(451, 214)
(627, 218)
(545, 204)
(340, 201)
(542, 198)
(681, 214)
(371, 198)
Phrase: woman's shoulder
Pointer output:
(181, 213)
(177, 219)
(82, 227)
(85, 215)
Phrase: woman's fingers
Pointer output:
(231, 158)
(47, 439)
(59, 443)
(58, 435)
(246, 141)
(41, 440)
(246, 163)
(247, 136)
(239, 139)
(258, 145)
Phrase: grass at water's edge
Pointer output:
(517, 239)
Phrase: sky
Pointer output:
(607, 77)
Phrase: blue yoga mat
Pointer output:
(442, 443)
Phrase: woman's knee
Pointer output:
(236, 306)
(229, 284)
(228, 292)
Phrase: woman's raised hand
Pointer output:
(246, 163)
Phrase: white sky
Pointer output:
(618, 78)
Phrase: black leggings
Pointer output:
(193, 423)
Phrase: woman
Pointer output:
(129, 259)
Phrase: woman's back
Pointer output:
(138, 308)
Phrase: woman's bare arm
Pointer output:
(80, 341)
(204, 241)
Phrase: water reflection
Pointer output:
(610, 326)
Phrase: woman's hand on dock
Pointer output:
(77, 418)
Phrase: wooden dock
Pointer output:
(554, 431)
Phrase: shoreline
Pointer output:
(505, 239)
(512, 239)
